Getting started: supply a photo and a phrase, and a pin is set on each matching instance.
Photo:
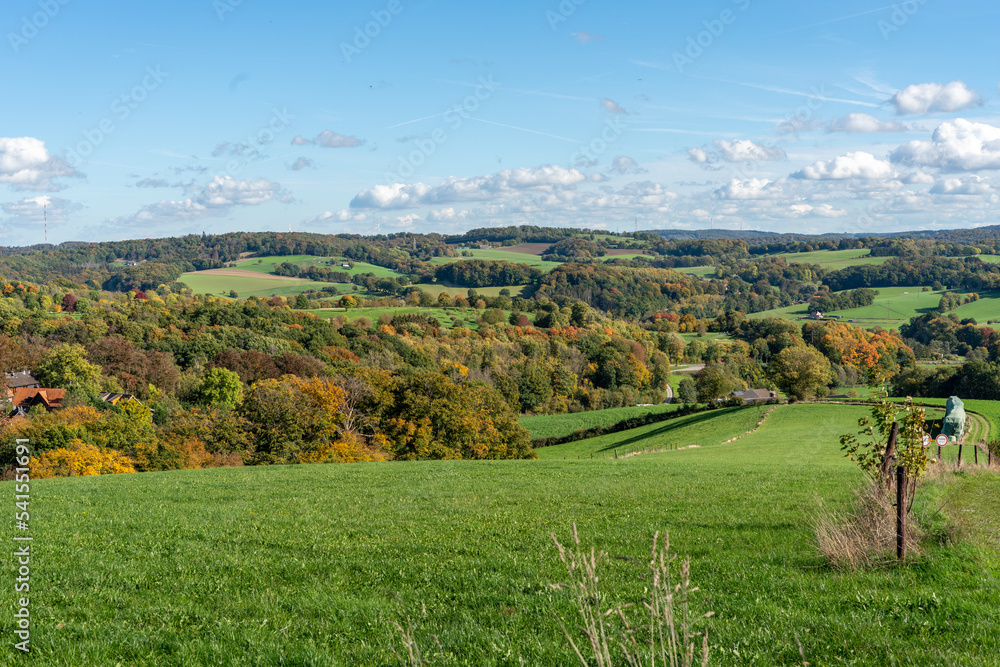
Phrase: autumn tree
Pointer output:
(437, 418)
(66, 367)
(220, 388)
(801, 372)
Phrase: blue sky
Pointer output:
(132, 120)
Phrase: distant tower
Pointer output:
(45, 218)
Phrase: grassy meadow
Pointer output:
(499, 255)
(832, 260)
(892, 307)
(312, 565)
(245, 286)
(266, 265)
(555, 426)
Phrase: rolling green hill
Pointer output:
(892, 307)
(555, 426)
(302, 565)
(207, 283)
(832, 260)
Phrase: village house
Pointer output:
(14, 381)
(25, 399)
(755, 395)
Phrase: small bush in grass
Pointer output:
(866, 535)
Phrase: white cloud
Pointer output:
(918, 178)
(214, 199)
(301, 163)
(446, 215)
(822, 211)
(923, 98)
(479, 188)
(153, 183)
(329, 139)
(612, 106)
(25, 164)
(624, 165)
(34, 210)
(336, 216)
(750, 188)
(586, 37)
(744, 150)
(970, 185)
(853, 165)
(863, 123)
(697, 155)
(958, 145)
(737, 150)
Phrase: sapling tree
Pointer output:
(867, 447)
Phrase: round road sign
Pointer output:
(942, 440)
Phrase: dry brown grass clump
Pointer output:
(866, 536)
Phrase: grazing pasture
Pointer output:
(555, 426)
(832, 260)
(313, 565)
(208, 282)
(892, 307)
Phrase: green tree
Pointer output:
(66, 367)
(687, 392)
(220, 388)
(302, 302)
(801, 372)
(715, 381)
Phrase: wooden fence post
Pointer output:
(975, 455)
(616, 453)
(959, 455)
(890, 452)
(900, 513)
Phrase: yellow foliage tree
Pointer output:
(78, 460)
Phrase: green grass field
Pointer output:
(834, 259)
(245, 286)
(264, 286)
(892, 307)
(499, 255)
(702, 429)
(987, 309)
(437, 288)
(701, 271)
(557, 426)
(267, 264)
(302, 565)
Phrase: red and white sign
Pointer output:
(927, 441)
(942, 440)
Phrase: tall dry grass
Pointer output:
(664, 634)
(865, 536)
